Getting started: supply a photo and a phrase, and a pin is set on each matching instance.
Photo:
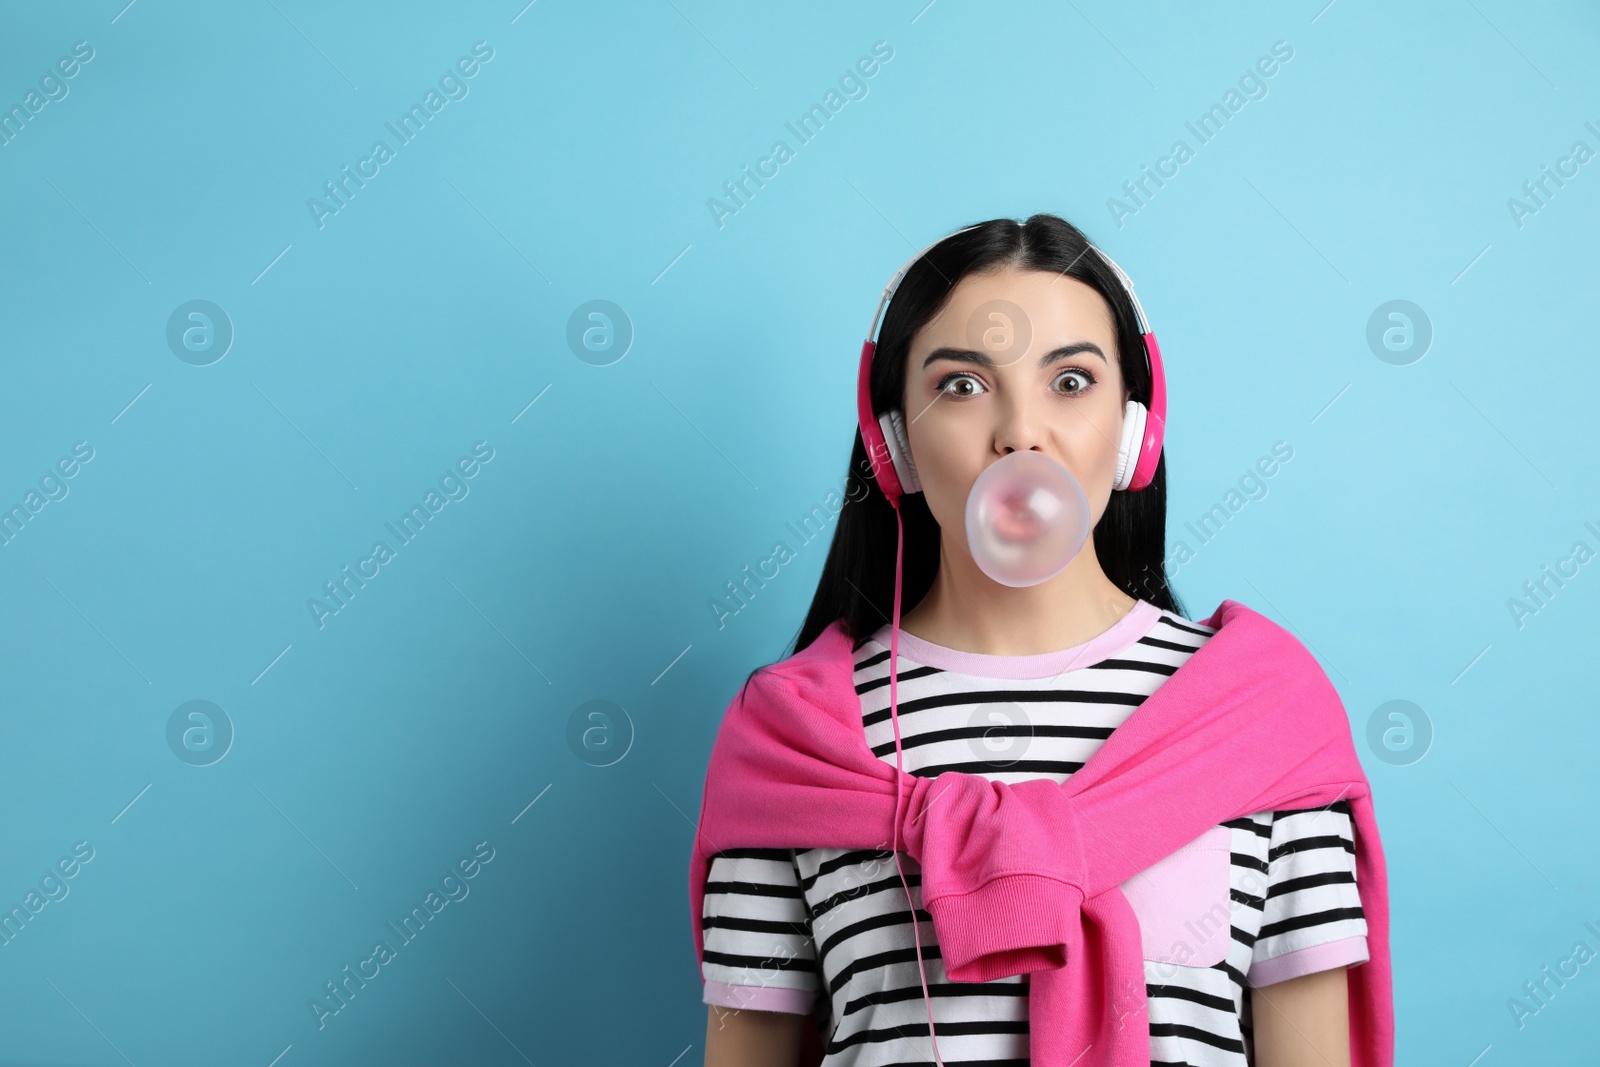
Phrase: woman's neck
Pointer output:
(967, 610)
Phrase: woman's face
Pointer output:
(1017, 359)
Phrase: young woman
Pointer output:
(1007, 337)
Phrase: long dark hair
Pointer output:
(857, 583)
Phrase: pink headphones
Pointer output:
(889, 451)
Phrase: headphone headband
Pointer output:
(899, 276)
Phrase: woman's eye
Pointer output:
(1084, 377)
(951, 379)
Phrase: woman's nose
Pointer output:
(1020, 426)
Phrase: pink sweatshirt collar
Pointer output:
(1023, 879)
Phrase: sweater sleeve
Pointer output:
(1312, 919)
(759, 952)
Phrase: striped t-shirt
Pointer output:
(782, 925)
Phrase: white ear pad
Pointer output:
(894, 435)
(1133, 420)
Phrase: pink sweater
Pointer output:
(1023, 879)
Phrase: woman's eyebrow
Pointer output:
(982, 359)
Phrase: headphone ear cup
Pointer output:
(1133, 423)
(894, 436)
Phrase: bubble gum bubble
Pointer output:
(1027, 518)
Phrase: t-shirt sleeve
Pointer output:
(758, 950)
(1312, 920)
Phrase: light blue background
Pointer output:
(429, 313)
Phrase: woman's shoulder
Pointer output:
(1174, 620)
(1247, 626)
(824, 664)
